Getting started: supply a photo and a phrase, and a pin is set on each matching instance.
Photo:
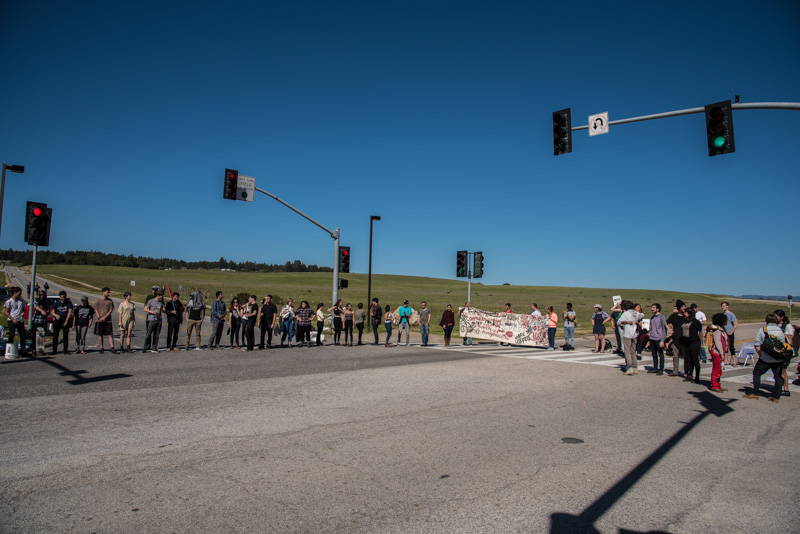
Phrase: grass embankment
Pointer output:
(390, 289)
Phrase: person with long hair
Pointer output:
(552, 327)
(235, 322)
(447, 323)
(387, 323)
(349, 318)
(338, 312)
(303, 314)
(320, 316)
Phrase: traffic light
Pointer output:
(343, 283)
(461, 263)
(344, 259)
(477, 267)
(231, 184)
(562, 132)
(37, 224)
(719, 128)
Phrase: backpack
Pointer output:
(796, 338)
(709, 340)
(775, 348)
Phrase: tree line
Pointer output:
(82, 257)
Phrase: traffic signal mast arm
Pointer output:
(748, 105)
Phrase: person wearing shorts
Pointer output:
(127, 322)
(599, 320)
(104, 307)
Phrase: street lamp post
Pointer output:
(369, 276)
(13, 168)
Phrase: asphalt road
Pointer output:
(374, 439)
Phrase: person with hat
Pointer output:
(153, 291)
(62, 315)
(84, 315)
(404, 312)
(599, 320)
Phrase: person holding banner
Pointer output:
(447, 323)
(599, 320)
(466, 340)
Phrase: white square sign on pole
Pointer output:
(246, 188)
(598, 124)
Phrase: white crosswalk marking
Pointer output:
(740, 375)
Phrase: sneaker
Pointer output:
(386, 345)
(629, 372)
(660, 372)
(651, 371)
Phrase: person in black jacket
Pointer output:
(690, 346)
(174, 311)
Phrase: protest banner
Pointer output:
(514, 328)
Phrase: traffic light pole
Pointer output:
(690, 111)
(32, 293)
(469, 277)
(333, 233)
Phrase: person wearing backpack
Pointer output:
(195, 313)
(716, 341)
(768, 336)
(788, 332)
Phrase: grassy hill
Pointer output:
(390, 289)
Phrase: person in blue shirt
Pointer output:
(404, 313)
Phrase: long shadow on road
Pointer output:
(561, 523)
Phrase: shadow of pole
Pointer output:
(77, 379)
(584, 522)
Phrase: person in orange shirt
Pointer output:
(552, 326)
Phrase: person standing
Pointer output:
(287, 321)
(218, 313)
(424, 322)
(320, 316)
(658, 336)
(195, 313)
(104, 307)
(249, 322)
(690, 345)
(552, 328)
(154, 308)
(338, 312)
(788, 333)
(14, 310)
(361, 316)
(304, 314)
(717, 349)
(599, 320)
(375, 316)
(730, 329)
(507, 310)
(767, 362)
(627, 321)
(387, 324)
(267, 318)
(235, 322)
(569, 326)
(447, 323)
(174, 310)
(349, 317)
(126, 321)
(675, 329)
(84, 315)
(535, 310)
(700, 316)
(40, 312)
(62, 315)
(404, 312)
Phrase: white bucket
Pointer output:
(12, 351)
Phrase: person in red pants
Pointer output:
(717, 346)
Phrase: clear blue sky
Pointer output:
(434, 115)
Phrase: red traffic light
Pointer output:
(231, 176)
(37, 212)
(345, 252)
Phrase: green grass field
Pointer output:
(390, 289)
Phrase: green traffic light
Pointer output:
(718, 141)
